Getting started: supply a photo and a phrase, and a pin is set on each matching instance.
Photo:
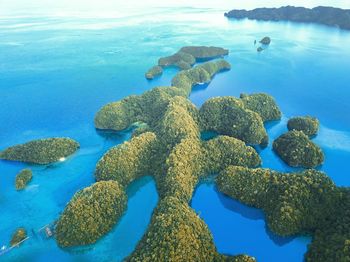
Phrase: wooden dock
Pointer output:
(45, 232)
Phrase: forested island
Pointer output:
(168, 146)
(329, 16)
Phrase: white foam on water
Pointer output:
(334, 139)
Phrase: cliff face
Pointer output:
(321, 15)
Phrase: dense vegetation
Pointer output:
(187, 56)
(166, 144)
(228, 116)
(263, 104)
(321, 15)
(128, 161)
(90, 214)
(42, 151)
(23, 178)
(200, 74)
(176, 233)
(309, 125)
(143, 108)
(153, 72)
(296, 203)
(19, 235)
(296, 149)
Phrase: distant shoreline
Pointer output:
(330, 16)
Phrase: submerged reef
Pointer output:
(296, 203)
(42, 151)
(23, 178)
(309, 125)
(90, 214)
(297, 150)
(153, 72)
(19, 235)
(321, 15)
(265, 41)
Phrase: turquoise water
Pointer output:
(57, 71)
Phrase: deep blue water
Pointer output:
(241, 229)
(57, 71)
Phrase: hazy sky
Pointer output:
(14, 6)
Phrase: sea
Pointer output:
(58, 70)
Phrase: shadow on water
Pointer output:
(199, 87)
(114, 135)
(250, 213)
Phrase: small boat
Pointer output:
(48, 232)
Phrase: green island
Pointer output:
(309, 125)
(185, 58)
(166, 144)
(176, 233)
(265, 41)
(297, 150)
(19, 235)
(295, 204)
(153, 72)
(23, 178)
(42, 151)
(91, 213)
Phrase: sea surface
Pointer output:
(57, 70)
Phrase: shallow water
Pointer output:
(57, 71)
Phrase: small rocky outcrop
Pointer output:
(309, 125)
(297, 150)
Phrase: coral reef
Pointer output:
(90, 214)
(42, 151)
(297, 150)
(309, 125)
(23, 178)
(153, 72)
(296, 203)
(19, 235)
